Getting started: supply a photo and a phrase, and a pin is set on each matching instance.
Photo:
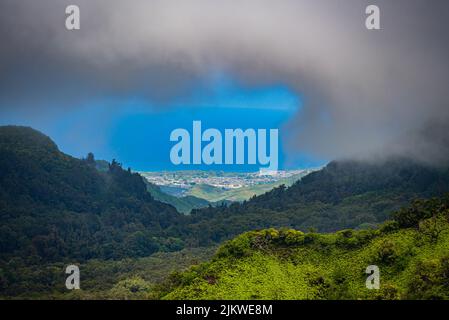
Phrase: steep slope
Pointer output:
(183, 204)
(346, 194)
(411, 252)
(55, 209)
(53, 206)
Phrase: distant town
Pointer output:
(218, 179)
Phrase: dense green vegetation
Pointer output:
(54, 207)
(57, 210)
(412, 252)
(183, 204)
(129, 278)
(342, 195)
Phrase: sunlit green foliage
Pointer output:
(56, 210)
(286, 264)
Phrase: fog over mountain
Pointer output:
(365, 93)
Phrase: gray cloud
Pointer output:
(366, 93)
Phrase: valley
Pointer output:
(131, 243)
(215, 186)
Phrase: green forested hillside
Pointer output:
(54, 207)
(183, 204)
(412, 253)
(346, 194)
(129, 278)
(57, 210)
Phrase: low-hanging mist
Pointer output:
(365, 93)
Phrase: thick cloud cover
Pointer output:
(366, 93)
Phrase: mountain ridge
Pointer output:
(56, 209)
(411, 253)
(349, 194)
(64, 207)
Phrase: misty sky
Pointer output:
(311, 68)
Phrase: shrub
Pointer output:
(293, 237)
(348, 233)
(237, 248)
(389, 226)
(364, 236)
(338, 288)
(388, 292)
(387, 252)
(310, 238)
(432, 228)
(430, 281)
(420, 210)
(134, 288)
(347, 239)
(270, 234)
